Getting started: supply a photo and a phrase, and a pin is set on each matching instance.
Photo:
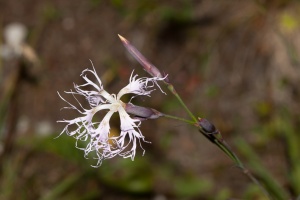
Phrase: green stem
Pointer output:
(223, 145)
(272, 186)
(227, 150)
(220, 142)
(217, 140)
(178, 118)
(172, 89)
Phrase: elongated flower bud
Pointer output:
(142, 112)
(148, 67)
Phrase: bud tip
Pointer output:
(122, 38)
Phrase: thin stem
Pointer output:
(214, 138)
(240, 165)
(172, 89)
(220, 142)
(178, 118)
(254, 180)
(225, 147)
(271, 185)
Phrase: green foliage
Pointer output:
(281, 126)
(125, 175)
(224, 194)
(263, 109)
(50, 12)
(95, 3)
(165, 140)
(212, 91)
(284, 127)
(253, 192)
(170, 105)
(265, 177)
(190, 186)
(63, 186)
(179, 15)
(9, 168)
(117, 3)
(62, 146)
(183, 184)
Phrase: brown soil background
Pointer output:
(235, 63)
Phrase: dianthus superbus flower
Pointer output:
(97, 134)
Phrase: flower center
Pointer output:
(115, 106)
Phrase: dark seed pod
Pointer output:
(207, 126)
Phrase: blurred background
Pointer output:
(235, 63)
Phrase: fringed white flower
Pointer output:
(100, 142)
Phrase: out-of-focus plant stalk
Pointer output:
(8, 109)
(15, 53)
(215, 136)
(221, 143)
(9, 89)
(270, 184)
(282, 125)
